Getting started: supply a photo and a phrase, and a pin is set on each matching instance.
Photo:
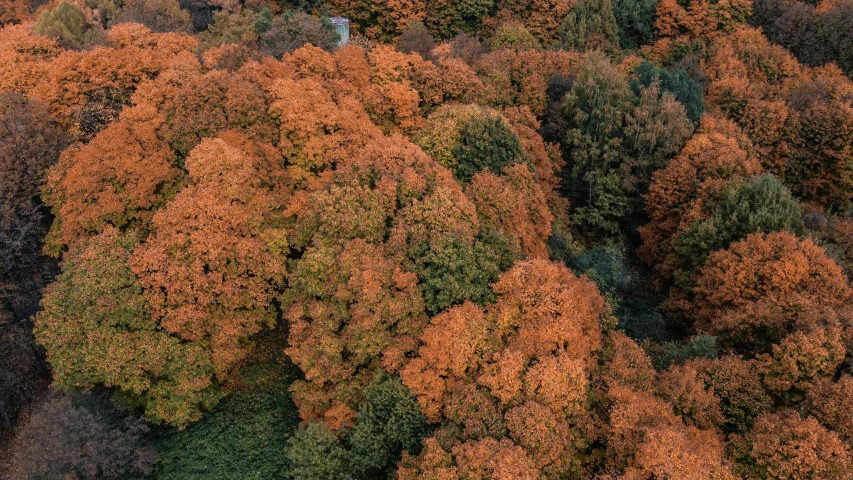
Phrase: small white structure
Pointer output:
(342, 27)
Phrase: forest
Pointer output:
(466, 239)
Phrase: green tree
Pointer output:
(635, 20)
(615, 139)
(389, 422)
(486, 143)
(515, 36)
(230, 28)
(590, 23)
(67, 24)
(760, 205)
(655, 131)
(676, 82)
(469, 139)
(451, 269)
(595, 110)
(98, 331)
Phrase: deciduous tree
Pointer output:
(590, 24)
(736, 382)
(758, 289)
(784, 445)
(97, 328)
(520, 366)
(800, 360)
(830, 402)
(80, 436)
(67, 24)
(211, 268)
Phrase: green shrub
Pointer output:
(243, 437)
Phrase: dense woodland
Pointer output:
(488, 239)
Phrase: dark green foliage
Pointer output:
(389, 422)
(642, 323)
(760, 205)
(607, 266)
(67, 24)
(317, 453)
(676, 82)
(452, 269)
(288, 32)
(243, 437)
(450, 17)
(486, 143)
(594, 111)
(664, 354)
(622, 284)
(590, 24)
(635, 20)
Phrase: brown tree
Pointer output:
(351, 309)
(830, 402)
(761, 288)
(211, 267)
(784, 445)
(522, 364)
(516, 204)
(718, 152)
(116, 179)
(800, 360)
(80, 436)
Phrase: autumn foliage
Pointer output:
(521, 364)
(201, 199)
(765, 286)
